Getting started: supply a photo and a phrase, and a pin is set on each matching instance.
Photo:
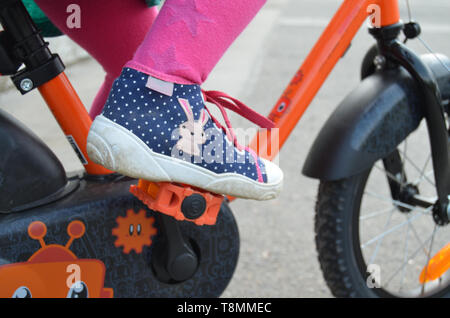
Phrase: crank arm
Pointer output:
(173, 259)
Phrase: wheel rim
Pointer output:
(394, 245)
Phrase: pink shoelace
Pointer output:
(222, 101)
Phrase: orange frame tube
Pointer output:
(72, 116)
(307, 81)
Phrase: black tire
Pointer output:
(337, 239)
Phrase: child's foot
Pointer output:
(171, 137)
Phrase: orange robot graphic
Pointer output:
(134, 231)
(54, 270)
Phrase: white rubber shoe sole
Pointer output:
(117, 149)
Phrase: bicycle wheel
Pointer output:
(363, 225)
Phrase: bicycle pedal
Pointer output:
(182, 202)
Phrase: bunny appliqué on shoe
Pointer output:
(191, 132)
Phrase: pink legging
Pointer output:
(181, 45)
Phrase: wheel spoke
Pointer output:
(413, 255)
(405, 253)
(395, 228)
(434, 53)
(390, 175)
(397, 203)
(429, 256)
(375, 214)
(386, 225)
(422, 173)
(416, 235)
(409, 10)
(392, 201)
(418, 169)
(425, 175)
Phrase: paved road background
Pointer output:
(278, 257)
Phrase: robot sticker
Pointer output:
(54, 270)
(134, 231)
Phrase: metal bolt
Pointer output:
(26, 84)
(379, 61)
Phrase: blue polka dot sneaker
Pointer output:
(161, 131)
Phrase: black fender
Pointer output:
(371, 121)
